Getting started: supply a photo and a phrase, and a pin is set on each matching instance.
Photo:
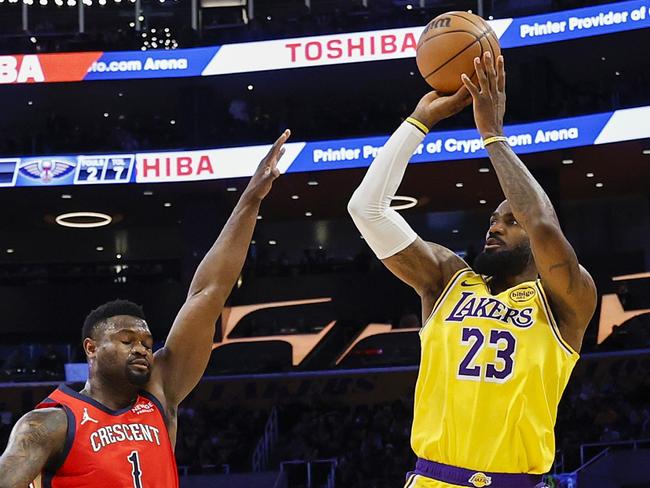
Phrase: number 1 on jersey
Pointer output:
(134, 459)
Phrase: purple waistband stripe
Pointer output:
(475, 479)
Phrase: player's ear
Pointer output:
(90, 347)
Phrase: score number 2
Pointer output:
(499, 372)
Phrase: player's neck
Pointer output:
(107, 393)
(502, 283)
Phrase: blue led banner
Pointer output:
(237, 162)
(353, 47)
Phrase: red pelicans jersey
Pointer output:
(127, 448)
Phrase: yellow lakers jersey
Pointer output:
(492, 372)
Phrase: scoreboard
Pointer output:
(67, 170)
(104, 169)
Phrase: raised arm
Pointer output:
(426, 267)
(570, 287)
(182, 361)
(35, 441)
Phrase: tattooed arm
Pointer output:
(570, 287)
(36, 440)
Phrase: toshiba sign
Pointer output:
(208, 164)
(315, 51)
(21, 69)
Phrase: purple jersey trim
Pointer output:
(461, 476)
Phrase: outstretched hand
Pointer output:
(262, 180)
(490, 96)
(433, 107)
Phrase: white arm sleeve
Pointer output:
(385, 231)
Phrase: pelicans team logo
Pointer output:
(46, 170)
(480, 479)
(522, 294)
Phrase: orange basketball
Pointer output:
(448, 46)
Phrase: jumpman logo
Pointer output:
(87, 418)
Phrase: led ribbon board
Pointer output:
(215, 164)
(303, 52)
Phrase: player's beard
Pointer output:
(500, 264)
(138, 378)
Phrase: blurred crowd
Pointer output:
(217, 439)
(606, 401)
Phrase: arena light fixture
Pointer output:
(599, 185)
(590, 175)
(567, 161)
(10, 251)
(83, 220)
(482, 202)
(484, 170)
(410, 202)
(459, 185)
(295, 197)
(308, 214)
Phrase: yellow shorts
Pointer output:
(417, 481)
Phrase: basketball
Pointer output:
(448, 46)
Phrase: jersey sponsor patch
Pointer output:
(523, 294)
(141, 408)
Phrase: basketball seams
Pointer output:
(477, 39)
(484, 26)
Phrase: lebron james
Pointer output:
(499, 341)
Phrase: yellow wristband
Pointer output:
(492, 139)
(418, 124)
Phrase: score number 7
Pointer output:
(502, 341)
